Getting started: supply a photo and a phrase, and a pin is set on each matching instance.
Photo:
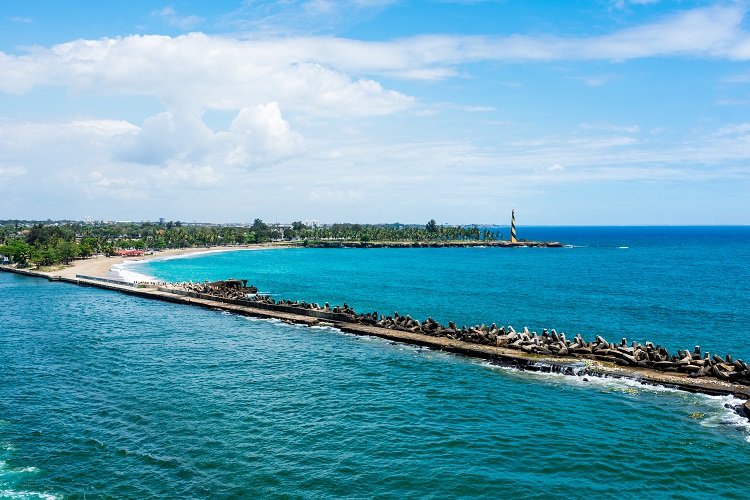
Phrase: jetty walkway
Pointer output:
(516, 354)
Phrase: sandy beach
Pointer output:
(100, 266)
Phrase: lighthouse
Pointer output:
(513, 226)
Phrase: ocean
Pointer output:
(105, 395)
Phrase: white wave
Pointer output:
(198, 253)
(7, 476)
(628, 385)
(713, 411)
(28, 495)
(623, 247)
(125, 271)
(726, 415)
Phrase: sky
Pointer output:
(598, 112)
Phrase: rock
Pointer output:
(690, 368)
(664, 365)
(628, 359)
(581, 350)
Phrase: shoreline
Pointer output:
(101, 266)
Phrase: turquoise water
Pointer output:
(109, 396)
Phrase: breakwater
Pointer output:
(548, 351)
(426, 244)
(643, 361)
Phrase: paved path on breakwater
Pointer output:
(502, 355)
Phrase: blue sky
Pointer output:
(578, 112)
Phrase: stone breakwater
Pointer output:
(549, 343)
(523, 350)
(426, 244)
(693, 363)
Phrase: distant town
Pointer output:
(47, 243)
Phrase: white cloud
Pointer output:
(7, 172)
(741, 78)
(630, 129)
(202, 72)
(73, 164)
(335, 196)
(593, 81)
(733, 102)
(621, 4)
(171, 17)
(311, 73)
(258, 136)
(302, 16)
(161, 138)
(736, 129)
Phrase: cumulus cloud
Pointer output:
(258, 136)
(203, 72)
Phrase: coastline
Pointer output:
(101, 266)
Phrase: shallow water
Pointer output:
(110, 396)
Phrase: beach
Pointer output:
(101, 266)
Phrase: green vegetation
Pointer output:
(398, 233)
(48, 243)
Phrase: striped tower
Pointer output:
(513, 226)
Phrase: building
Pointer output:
(129, 253)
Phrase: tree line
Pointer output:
(44, 244)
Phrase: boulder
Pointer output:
(664, 365)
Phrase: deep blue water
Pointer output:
(104, 395)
